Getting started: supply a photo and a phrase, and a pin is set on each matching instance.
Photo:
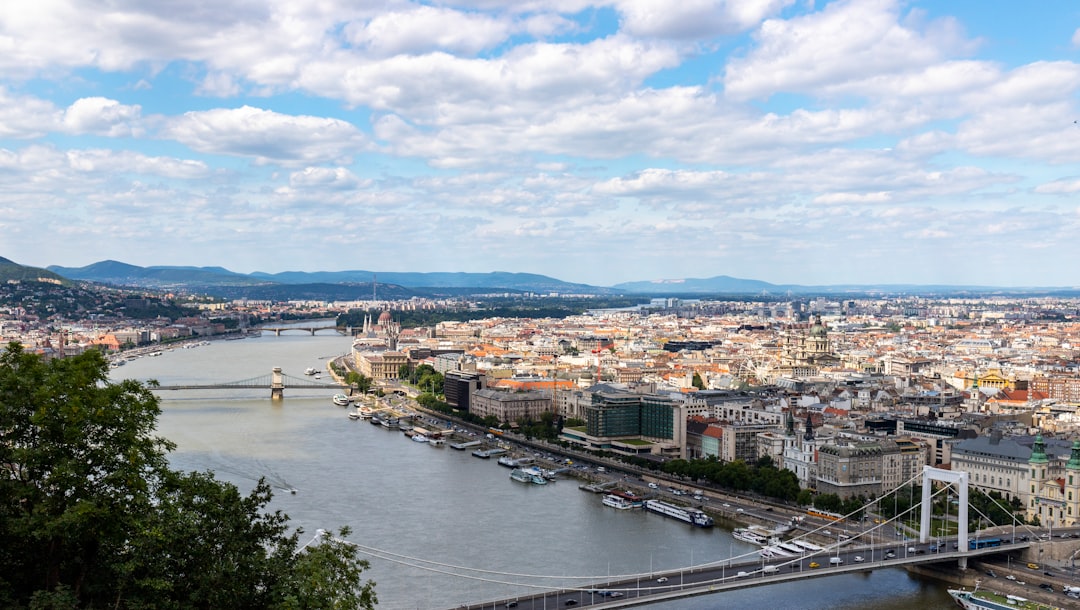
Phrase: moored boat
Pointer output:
(692, 516)
(989, 600)
(420, 438)
(340, 400)
(528, 475)
(619, 502)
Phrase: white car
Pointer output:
(662, 579)
(653, 485)
(858, 559)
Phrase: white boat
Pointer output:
(310, 371)
(988, 600)
(354, 415)
(437, 441)
(619, 502)
(692, 516)
(528, 475)
(365, 412)
(420, 438)
(340, 400)
(748, 535)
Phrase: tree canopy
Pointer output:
(91, 515)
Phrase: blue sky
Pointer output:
(856, 141)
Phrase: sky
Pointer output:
(790, 141)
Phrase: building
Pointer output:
(458, 387)
(614, 419)
(509, 407)
(381, 365)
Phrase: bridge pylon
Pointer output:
(960, 478)
(277, 384)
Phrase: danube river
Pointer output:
(442, 528)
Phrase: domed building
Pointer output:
(805, 354)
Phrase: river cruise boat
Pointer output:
(620, 503)
(527, 475)
(750, 535)
(692, 516)
(988, 600)
(340, 400)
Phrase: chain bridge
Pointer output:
(276, 381)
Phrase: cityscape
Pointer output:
(785, 272)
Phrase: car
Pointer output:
(726, 505)
(511, 604)
(653, 486)
(890, 555)
(616, 594)
(738, 510)
(1046, 586)
(1047, 574)
(699, 498)
(814, 564)
(662, 579)
(1010, 577)
(742, 574)
(1033, 566)
(570, 602)
(858, 559)
(911, 549)
(991, 573)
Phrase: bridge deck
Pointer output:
(703, 580)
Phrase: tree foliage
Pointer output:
(92, 515)
(762, 478)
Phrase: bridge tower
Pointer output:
(277, 384)
(960, 479)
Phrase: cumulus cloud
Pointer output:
(423, 29)
(265, 135)
(334, 178)
(694, 18)
(811, 52)
(107, 161)
(24, 116)
(103, 117)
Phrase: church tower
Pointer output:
(1038, 464)
(1072, 486)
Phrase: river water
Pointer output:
(440, 527)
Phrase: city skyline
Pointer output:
(792, 142)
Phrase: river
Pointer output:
(483, 535)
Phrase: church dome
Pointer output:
(385, 318)
(818, 329)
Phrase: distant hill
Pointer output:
(495, 280)
(206, 278)
(123, 274)
(10, 271)
(356, 284)
(718, 284)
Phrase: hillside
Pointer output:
(12, 271)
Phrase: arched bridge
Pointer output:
(276, 381)
(277, 330)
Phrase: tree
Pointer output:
(91, 514)
(697, 381)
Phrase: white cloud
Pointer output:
(266, 136)
(334, 178)
(23, 116)
(694, 18)
(423, 29)
(849, 41)
(107, 161)
(101, 116)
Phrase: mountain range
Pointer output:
(358, 284)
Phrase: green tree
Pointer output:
(697, 381)
(92, 516)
